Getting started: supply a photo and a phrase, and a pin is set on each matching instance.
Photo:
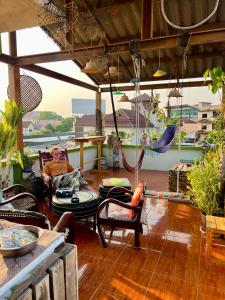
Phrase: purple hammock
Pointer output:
(160, 146)
(166, 140)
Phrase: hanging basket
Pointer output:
(31, 93)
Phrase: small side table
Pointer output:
(213, 225)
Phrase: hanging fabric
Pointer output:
(126, 164)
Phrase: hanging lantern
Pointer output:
(159, 73)
(124, 98)
(113, 72)
(90, 68)
(175, 93)
(118, 93)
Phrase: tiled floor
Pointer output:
(170, 264)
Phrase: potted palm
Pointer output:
(8, 123)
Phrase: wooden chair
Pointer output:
(65, 224)
(115, 213)
(20, 199)
(45, 157)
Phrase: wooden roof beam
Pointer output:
(147, 19)
(166, 42)
(114, 3)
(7, 59)
(55, 75)
(156, 86)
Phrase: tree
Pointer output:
(65, 125)
(49, 115)
(50, 127)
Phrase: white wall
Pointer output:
(74, 159)
(154, 161)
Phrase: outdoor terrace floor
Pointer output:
(171, 263)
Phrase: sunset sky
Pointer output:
(57, 95)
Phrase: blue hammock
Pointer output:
(166, 140)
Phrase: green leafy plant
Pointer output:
(204, 179)
(8, 122)
(181, 136)
(217, 75)
(216, 137)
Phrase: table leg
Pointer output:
(81, 155)
(99, 156)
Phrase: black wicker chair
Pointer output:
(65, 223)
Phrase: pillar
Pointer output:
(98, 113)
(14, 87)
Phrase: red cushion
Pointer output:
(136, 197)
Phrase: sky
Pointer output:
(57, 95)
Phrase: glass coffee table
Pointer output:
(85, 206)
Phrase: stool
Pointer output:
(213, 225)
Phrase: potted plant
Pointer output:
(8, 123)
(204, 185)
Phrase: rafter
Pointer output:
(114, 3)
(7, 59)
(147, 19)
(197, 38)
(157, 86)
(56, 75)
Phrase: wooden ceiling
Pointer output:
(104, 28)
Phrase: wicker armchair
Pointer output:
(65, 223)
(16, 195)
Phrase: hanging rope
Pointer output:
(112, 102)
(187, 27)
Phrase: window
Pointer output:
(204, 127)
(204, 116)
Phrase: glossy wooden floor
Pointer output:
(171, 263)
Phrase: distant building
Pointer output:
(188, 112)
(86, 107)
(28, 127)
(126, 122)
(206, 115)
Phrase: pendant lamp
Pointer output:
(124, 98)
(113, 72)
(118, 93)
(90, 68)
(159, 72)
(175, 93)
